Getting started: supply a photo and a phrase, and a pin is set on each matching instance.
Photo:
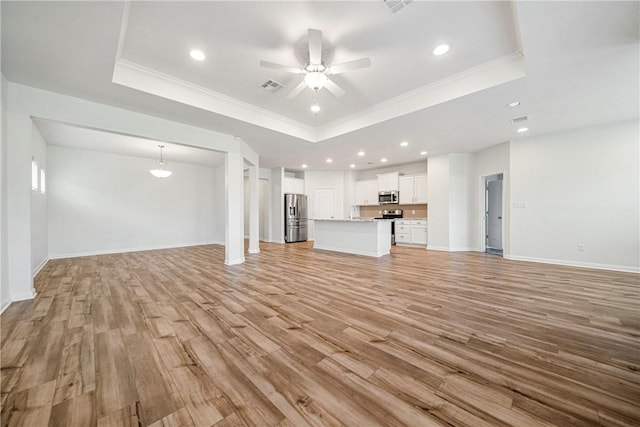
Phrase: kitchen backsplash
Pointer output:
(408, 210)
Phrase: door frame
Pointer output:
(483, 208)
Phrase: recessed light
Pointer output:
(315, 108)
(352, 166)
(360, 153)
(383, 160)
(404, 144)
(197, 55)
(304, 166)
(520, 130)
(423, 153)
(329, 160)
(513, 104)
(441, 50)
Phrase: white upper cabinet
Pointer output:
(420, 188)
(406, 190)
(367, 192)
(413, 189)
(293, 185)
(388, 181)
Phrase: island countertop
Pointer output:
(360, 236)
(354, 219)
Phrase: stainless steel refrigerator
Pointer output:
(295, 218)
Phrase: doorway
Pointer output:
(264, 197)
(493, 214)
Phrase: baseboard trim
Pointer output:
(234, 261)
(447, 249)
(595, 266)
(126, 250)
(4, 306)
(40, 267)
(22, 296)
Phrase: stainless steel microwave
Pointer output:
(388, 197)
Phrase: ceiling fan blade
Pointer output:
(334, 88)
(296, 91)
(286, 68)
(315, 46)
(349, 66)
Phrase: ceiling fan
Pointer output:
(316, 72)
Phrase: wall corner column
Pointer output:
(254, 211)
(19, 152)
(234, 223)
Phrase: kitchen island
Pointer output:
(360, 236)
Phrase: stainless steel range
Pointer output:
(392, 214)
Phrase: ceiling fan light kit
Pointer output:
(316, 72)
(315, 80)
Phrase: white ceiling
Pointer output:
(570, 64)
(64, 135)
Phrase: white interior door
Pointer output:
(494, 214)
(324, 203)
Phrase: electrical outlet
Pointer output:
(580, 247)
(413, 212)
(379, 212)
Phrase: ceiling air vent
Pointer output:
(271, 85)
(520, 119)
(396, 5)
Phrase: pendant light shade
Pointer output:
(161, 171)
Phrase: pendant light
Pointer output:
(160, 171)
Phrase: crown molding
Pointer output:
(135, 76)
(475, 79)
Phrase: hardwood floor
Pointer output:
(298, 337)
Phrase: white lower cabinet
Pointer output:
(419, 235)
(411, 231)
(403, 238)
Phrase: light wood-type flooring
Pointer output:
(297, 336)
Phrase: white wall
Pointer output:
(5, 293)
(451, 197)
(438, 201)
(407, 169)
(462, 202)
(350, 194)
(101, 203)
(266, 205)
(324, 179)
(39, 228)
(277, 205)
(580, 187)
(219, 208)
(18, 166)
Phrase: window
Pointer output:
(34, 174)
(42, 182)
